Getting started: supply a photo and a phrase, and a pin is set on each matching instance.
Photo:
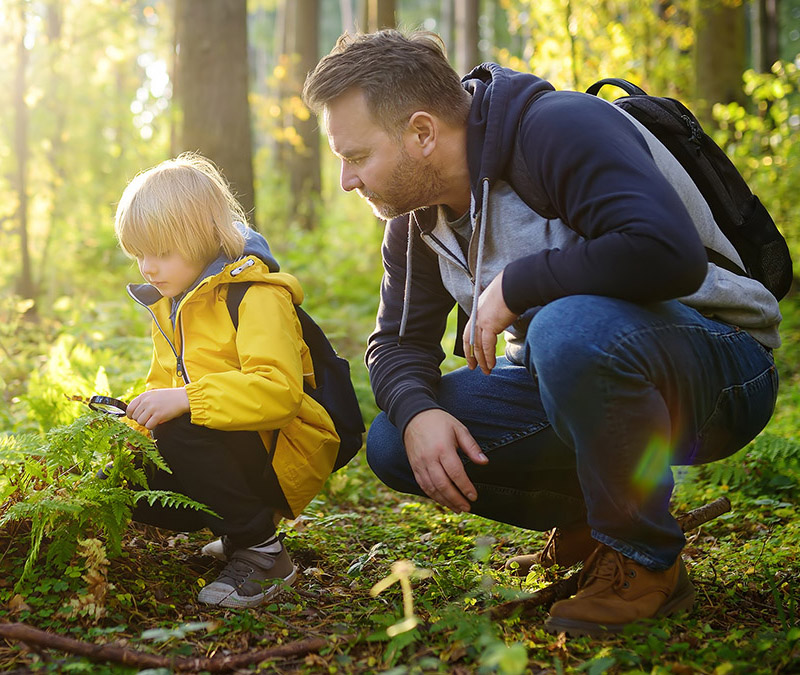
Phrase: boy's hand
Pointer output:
(158, 405)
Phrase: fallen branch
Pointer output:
(564, 588)
(118, 654)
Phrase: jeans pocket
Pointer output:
(740, 414)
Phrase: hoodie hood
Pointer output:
(499, 98)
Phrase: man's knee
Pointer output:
(386, 455)
(567, 331)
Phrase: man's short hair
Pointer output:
(399, 74)
(184, 206)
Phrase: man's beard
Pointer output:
(413, 185)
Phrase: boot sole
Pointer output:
(228, 597)
(575, 628)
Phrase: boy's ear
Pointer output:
(424, 130)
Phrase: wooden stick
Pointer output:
(132, 657)
(568, 586)
(702, 514)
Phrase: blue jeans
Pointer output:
(611, 394)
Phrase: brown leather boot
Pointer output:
(614, 591)
(565, 547)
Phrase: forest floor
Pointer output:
(145, 617)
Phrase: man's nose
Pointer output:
(349, 178)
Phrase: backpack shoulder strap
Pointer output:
(235, 294)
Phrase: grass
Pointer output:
(745, 566)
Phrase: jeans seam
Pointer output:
(514, 436)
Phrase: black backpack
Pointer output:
(334, 390)
(736, 210)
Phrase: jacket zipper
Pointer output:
(179, 364)
(451, 257)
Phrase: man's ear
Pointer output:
(424, 132)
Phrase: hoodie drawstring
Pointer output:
(478, 265)
(479, 261)
(407, 287)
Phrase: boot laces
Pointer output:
(604, 564)
(551, 543)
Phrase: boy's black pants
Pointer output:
(228, 471)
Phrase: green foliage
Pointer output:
(762, 142)
(95, 112)
(768, 466)
(57, 488)
(573, 44)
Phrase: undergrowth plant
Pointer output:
(81, 479)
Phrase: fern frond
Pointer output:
(172, 500)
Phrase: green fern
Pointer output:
(768, 464)
(58, 491)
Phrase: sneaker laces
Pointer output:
(236, 571)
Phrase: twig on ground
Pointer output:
(109, 652)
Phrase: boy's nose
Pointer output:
(147, 266)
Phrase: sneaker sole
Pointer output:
(224, 596)
(574, 628)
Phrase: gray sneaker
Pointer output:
(249, 579)
(219, 549)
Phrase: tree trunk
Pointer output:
(764, 22)
(348, 16)
(446, 27)
(719, 54)
(467, 54)
(213, 76)
(25, 285)
(304, 159)
(380, 14)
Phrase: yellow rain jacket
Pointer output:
(250, 378)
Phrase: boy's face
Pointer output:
(170, 274)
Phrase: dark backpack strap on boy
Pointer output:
(334, 390)
(736, 210)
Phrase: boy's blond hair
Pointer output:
(183, 206)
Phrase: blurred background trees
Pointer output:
(93, 92)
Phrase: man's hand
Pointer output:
(158, 405)
(494, 317)
(432, 439)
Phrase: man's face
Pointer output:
(376, 165)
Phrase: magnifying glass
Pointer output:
(108, 405)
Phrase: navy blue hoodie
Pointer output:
(569, 156)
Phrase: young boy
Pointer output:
(226, 406)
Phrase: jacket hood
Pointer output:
(499, 97)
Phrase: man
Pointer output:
(555, 217)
